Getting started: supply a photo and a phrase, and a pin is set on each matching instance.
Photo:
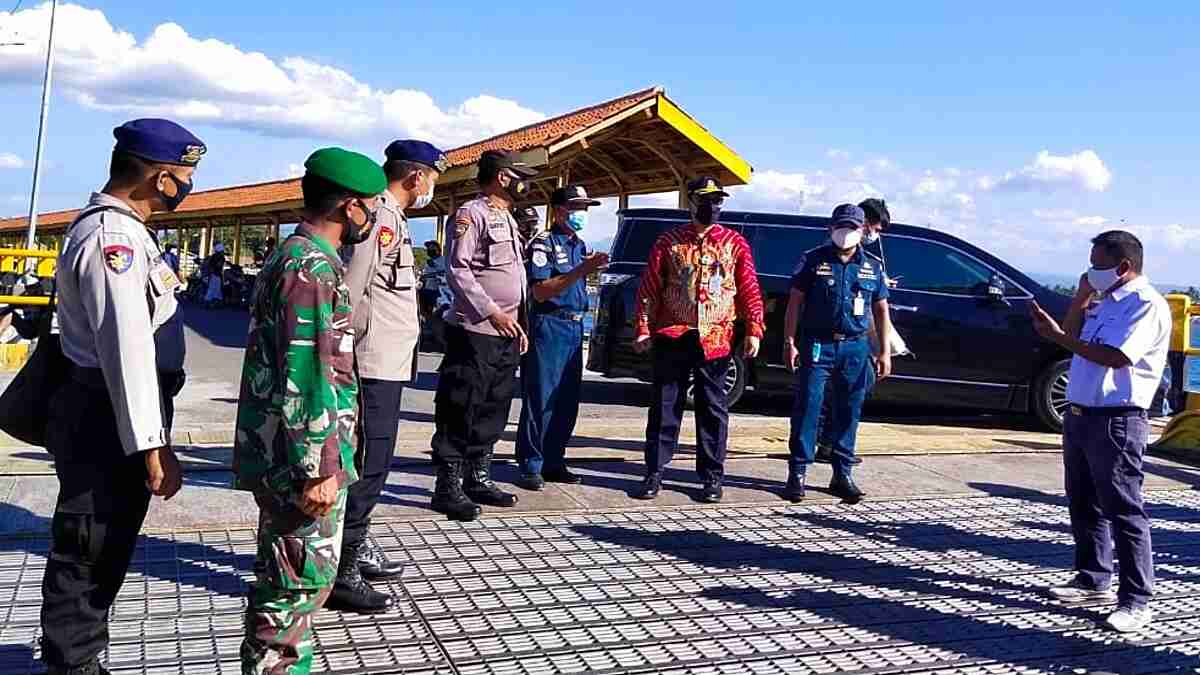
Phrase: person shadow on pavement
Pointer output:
(191, 564)
(968, 597)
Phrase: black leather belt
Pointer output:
(565, 314)
(1113, 411)
(93, 378)
(839, 337)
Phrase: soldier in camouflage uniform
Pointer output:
(297, 413)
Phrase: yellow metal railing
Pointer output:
(14, 260)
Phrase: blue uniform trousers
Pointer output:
(379, 405)
(551, 377)
(1102, 454)
(848, 364)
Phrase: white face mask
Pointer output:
(1102, 280)
(423, 200)
(846, 238)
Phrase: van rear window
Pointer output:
(637, 236)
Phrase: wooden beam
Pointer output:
(237, 240)
(600, 159)
(567, 142)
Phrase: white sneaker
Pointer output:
(1076, 591)
(1128, 620)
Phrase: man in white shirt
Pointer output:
(1119, 329)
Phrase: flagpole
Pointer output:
(41, 141)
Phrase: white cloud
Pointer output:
(1091, 221)
(295, 170)
(1083, 171)
(1055, 215)
(172, 74)
(11, 161)
(837, 154)
(932, 185)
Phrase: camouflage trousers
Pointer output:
(294, 573)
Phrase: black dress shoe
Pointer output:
(562, 475)
(712, 492)
(374, 565)
(531, 481)
(824, 453)
(650, 487)
(794, 492)
(844, 487)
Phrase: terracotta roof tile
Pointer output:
(535, 135)
(548, 131)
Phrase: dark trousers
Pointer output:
(848, 364)
(379, 422)
(1103, 460)
(678, 363)
(476, 384)
(102, 501)
(551, 377)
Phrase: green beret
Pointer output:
(357, 173)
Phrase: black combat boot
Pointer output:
(794, 492)
(843, 486)
(92, 667)
(448, 496)
(351, 593)
(374, 565)
(480, 487)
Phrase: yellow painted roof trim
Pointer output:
(671, 114)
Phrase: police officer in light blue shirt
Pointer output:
(1119, 329)
(837, 289)
(552, 370)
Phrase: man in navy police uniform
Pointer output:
(552, 370)
(109, 425)
(838, 289)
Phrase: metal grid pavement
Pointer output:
(948, 585)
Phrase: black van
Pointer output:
(963, 312)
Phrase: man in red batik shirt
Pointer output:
(699, 280)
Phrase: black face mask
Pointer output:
(355, 233)
(707, 213)
(182, 190)
(517, 188)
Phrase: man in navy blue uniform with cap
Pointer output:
(552, 370)
(109, 423)
(837, 288)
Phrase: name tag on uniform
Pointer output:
(860, 305)
(824, 270)
(164, 279)
(866, 273)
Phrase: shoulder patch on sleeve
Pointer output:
(539, 258)
(118, 257)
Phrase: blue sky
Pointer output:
(1024, 129)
